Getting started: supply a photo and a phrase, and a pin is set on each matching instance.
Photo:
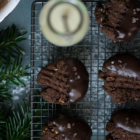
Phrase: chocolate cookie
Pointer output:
(124, 125)
(66, 81)
(66, 128)
(120, 21)
(122, 76)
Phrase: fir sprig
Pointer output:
(3, 119)
(5, 94)
(18, 126)
(13, 72)
(9, 38)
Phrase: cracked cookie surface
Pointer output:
(64, 127)
(121, 73)
(120, 21)
(66, 81)
(124, 125)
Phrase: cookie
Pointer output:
(124, 125)
(64, 127)
(66, 81)
(120, 21)
(121, 73)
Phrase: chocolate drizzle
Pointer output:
(78, 79)
(129, 24)
(64, 124)
(129, 66)
(127, 120)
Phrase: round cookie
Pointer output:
(124, 125)
(64, 127)
(122, 76)
(120, 21)
(66, 81)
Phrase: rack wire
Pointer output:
(93, 50)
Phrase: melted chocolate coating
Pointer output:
(127, 120)
(129, 24)
(123, 65)
(78, 80)
(71, 129)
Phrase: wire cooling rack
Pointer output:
(93, 50)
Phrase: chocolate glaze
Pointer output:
(78, 79)
(127, 120)
(123, 65)
(126, 29)
(77, 130)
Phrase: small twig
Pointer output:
(18, 73)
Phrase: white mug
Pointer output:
(64, 22)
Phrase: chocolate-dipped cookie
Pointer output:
(120, 21)
(124, 125)
(66, 81)
(64, 127)
(122, 75)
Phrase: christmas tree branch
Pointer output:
(9, 38)
(13, 71)
(2, 124)
(18, 126)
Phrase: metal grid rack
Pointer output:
(93, 50)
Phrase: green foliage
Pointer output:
(2, 124)
(9, 38)
(4, 94)
(12, 72)
(18, 126)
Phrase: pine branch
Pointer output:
(9, 38)
(4, 94)
(18, 126)
(12, 72)
(2, 124)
